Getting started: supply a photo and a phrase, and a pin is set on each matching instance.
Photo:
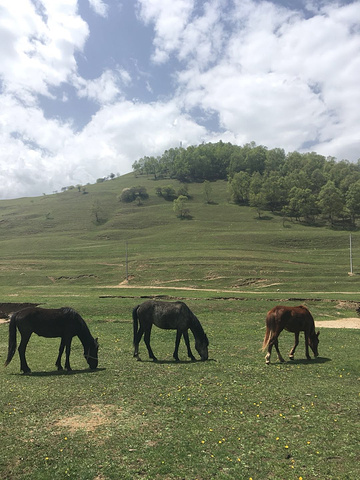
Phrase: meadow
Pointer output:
(232, 417)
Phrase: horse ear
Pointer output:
(318, 333)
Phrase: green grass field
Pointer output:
(232, 417)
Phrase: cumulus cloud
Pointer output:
(169, 20)
(284, 80)
(99, 7)
(105, 89)
(37, 45)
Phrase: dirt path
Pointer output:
(340, 323)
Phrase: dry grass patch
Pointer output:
(91, 417)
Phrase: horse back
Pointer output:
(292, 319)
(165, 315)
(47, 322)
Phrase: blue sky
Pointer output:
(87, 87)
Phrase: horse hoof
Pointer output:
(291, 357)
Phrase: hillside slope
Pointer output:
(56, 238)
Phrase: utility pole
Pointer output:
(126, 261)
(351, 260)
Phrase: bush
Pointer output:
(128, 195)
(167, 192)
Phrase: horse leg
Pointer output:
(177, 343)
(272, 342)
(137, 340)
(61, 350)
(187, 342)
(276, 344)
(307, 345)
(25, 337)
(147, 343)
(292, 351)
(67, 353)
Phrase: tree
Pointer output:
(183, 190)
(180, 206)
(167, 192)
(331, 202)
(275, 158)
(207, 190)
(255, 159)
(239, 187)
(275, 191)
(353, 201)
(258, 201)
(302, 203)
(97, 212)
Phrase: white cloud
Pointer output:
(38, 46)
(169, 19)
(99, 7)
(283, 80)
(46, 156)
(266, 73)
(105, 89)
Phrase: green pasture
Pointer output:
(231, 417)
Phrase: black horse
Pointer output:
(295, 320)
(170, 316)
(62, 322)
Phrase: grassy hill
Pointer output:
(232, 417)
(55, 238)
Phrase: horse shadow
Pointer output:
(173, 362)
(304, 361)
(59, 373)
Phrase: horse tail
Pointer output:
(135, 321)
(266, 339)
(269, 330)
(12, 339)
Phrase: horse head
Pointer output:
(201, 346)
(91, 354)
(314, 342)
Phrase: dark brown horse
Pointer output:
(62, 322)
(295, 320)
(170, 316)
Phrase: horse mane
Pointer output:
(197, 328)
(84, 331)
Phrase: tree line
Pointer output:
(302, 186)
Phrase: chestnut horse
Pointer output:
(46, 322)
(295, 320)
(169, 316)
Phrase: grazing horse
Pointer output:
(170, 316)
(62, 322)
(292, 319)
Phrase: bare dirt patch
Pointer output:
(340, 323)
(6, 309)
(88, 420)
